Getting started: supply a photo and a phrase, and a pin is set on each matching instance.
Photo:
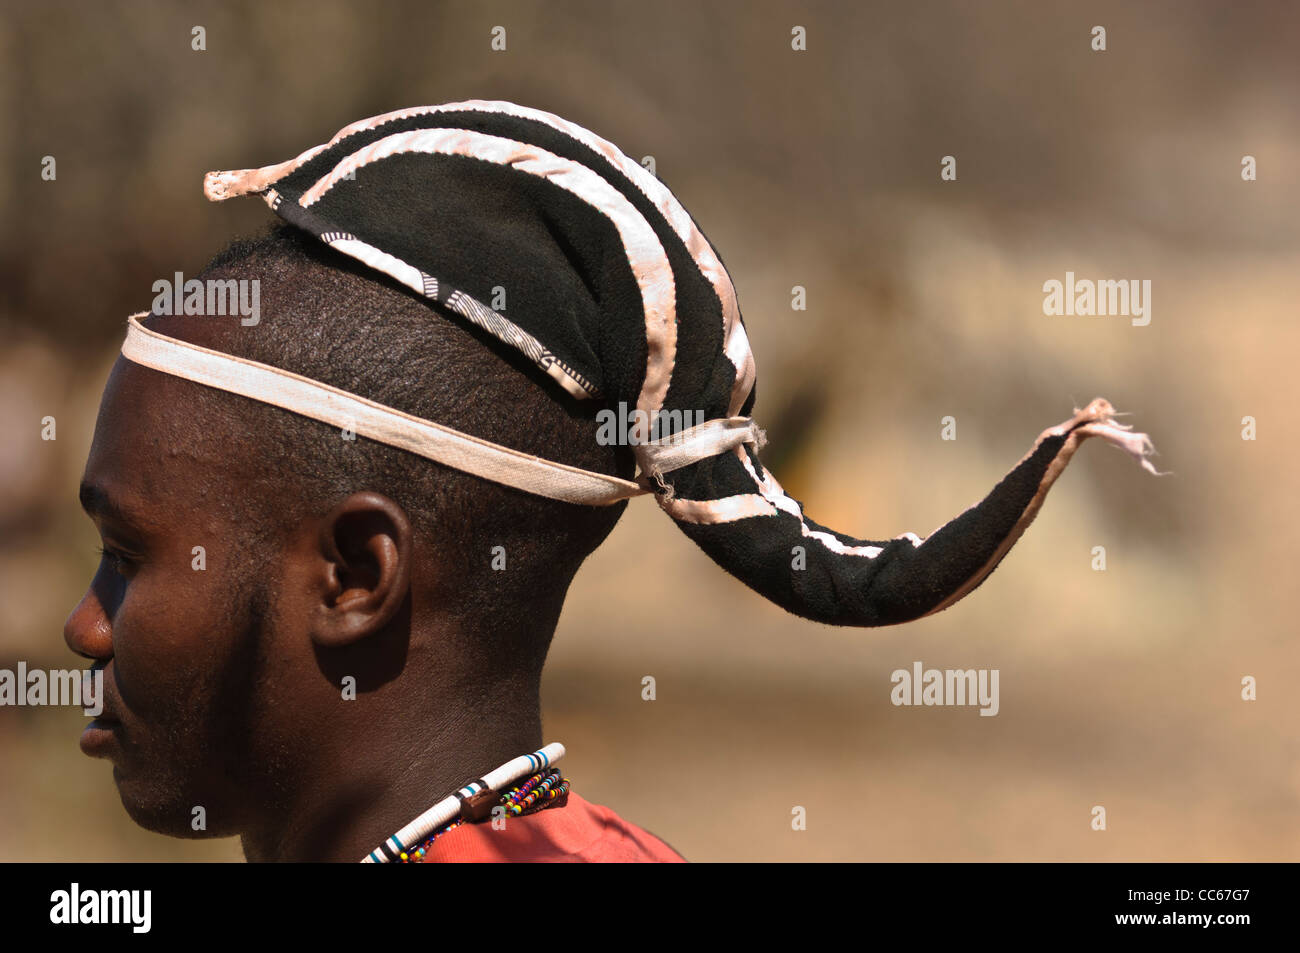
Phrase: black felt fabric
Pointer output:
(500, 246)
(700, 378)
(475, 226)
(902, 583)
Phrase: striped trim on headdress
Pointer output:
(617, 295)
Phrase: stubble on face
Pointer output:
(190, 669)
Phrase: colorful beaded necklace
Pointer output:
(542, 790)
(540, 786)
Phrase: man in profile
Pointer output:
(337, 541)
(347, 654)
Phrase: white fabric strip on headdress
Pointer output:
(388, 425)
(219, 186)
(695, 443)
(645, 255)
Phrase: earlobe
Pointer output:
(365, 547)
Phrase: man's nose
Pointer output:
(88, 631)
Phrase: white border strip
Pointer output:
(301, 395)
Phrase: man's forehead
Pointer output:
(155, 444)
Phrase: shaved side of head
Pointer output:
(328, 318)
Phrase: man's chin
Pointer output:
(156, 807)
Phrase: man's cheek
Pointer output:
(167, 640)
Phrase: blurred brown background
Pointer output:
(821, 169)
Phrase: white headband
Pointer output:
(376, 421)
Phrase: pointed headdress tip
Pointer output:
(1098, 420)
(219, 186)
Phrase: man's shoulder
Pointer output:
(616, 840)
(575, 832)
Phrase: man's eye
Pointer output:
(118, 560)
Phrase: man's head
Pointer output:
(328, 560)
(258, 560)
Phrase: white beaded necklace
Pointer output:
(470, 795)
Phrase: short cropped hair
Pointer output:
(325, 316)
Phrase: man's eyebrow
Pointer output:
(97, 501)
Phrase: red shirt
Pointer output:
(577, 832)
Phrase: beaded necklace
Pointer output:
(542, 790)
(542, 786)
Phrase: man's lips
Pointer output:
(101, 734)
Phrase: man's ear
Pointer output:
(365, 569)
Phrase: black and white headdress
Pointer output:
(614, 292)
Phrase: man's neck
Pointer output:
(386, 787)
